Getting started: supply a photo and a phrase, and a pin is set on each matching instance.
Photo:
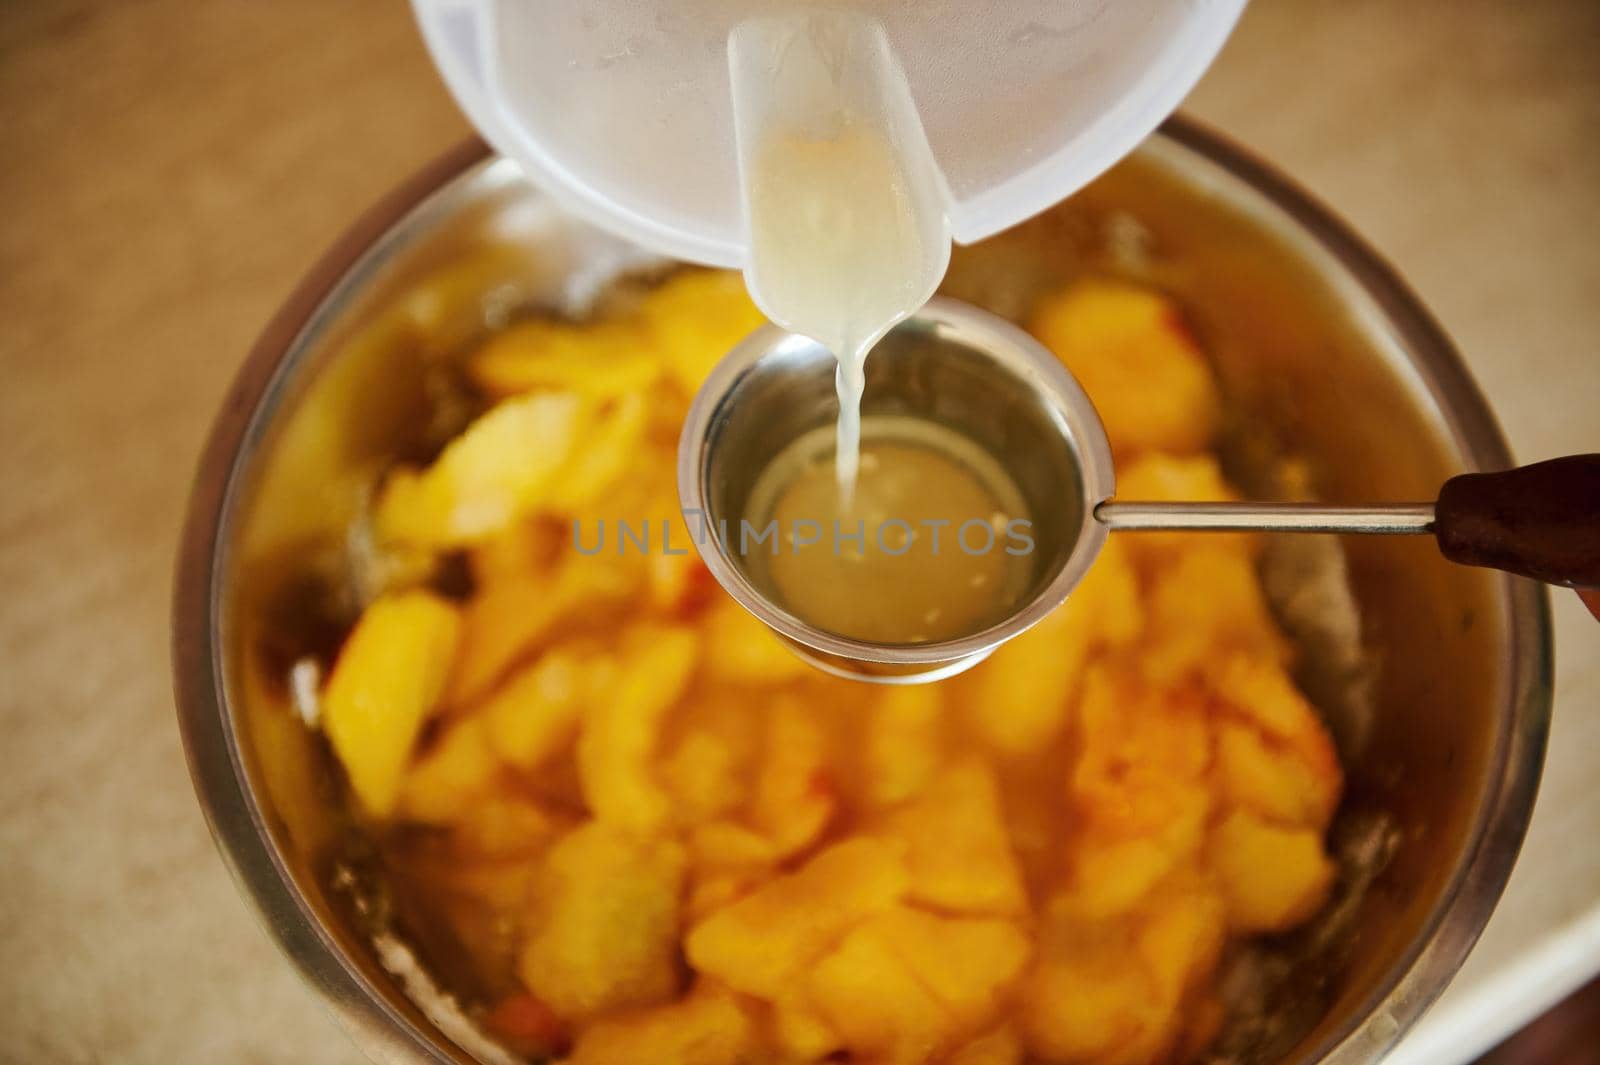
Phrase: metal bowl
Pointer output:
(1322, 350)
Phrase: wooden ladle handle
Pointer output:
(1540, 521)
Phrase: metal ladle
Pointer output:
(977, 374)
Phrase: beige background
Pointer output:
(168, 169)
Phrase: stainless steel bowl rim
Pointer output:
(238, 823)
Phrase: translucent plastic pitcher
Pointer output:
(625, 110)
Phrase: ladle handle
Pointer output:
(1389, 518)
(1540, 521)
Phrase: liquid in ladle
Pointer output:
(933, 545)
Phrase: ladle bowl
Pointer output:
(950, 364)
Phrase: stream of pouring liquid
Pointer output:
(835, 241)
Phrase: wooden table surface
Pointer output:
(169, 168)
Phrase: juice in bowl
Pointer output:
(577, 722)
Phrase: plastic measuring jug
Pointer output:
(625, 112)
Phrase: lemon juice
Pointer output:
(838, 251)
(847, 234)
(891, 530)
(934, 543)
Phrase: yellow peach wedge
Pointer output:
(903, 742)
(497, 471)
(455, 773)
(695, 318)
(603, 930)
(534, 716)
(869, 995)
(957, 848)
(601, 359)
(1131, 350)
(386, 681)
(1272, 878)
(761, 942)
(621, 731)
(709, 1027)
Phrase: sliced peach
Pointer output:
(760, 943)
(874, 1000)
(1130, 349)
(1002, 1046)
(1272, 878)
(535, 715)
(1261, 692)
(794, 797)
(966, 963)
(456, 772)
(903, 743)
(386, 681)
(599, 359)
(958, 851)
(497, 471)
(747, 651)
(709, 1027)
(1204, 606)
(609, 450)
(510, 620)
(603, 931)
(1021, 698)
(1274, 779)
(616, 749)
(1181, 938)
(695, 318)
(1089, 998)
